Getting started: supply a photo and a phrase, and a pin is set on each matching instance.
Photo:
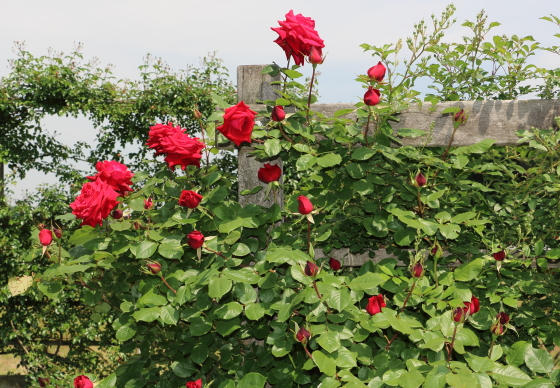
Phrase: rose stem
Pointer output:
(491, 348)
(320, 296)
(308, 235)
(408, 296)
(284, 134)
(203, 140)
(367, 130)
(217, 253)
(307, 351)
(435, 269)
(286, 75)
(420, 205)
(444, 157)
(391, 341)
(452, 344)
(310, 90)
(167, 284)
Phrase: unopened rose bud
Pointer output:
(57, 232)
(136, 225)
(148, 203)
(417, 270)
(460, 117)
(497, 328)
(503, 317)
(377, 72)
(278, 113)
(473, 306)
(303, 335)
(459, 314)
(305, 206)
(197, 114)
(334, 264)
(43, 382)
(315, 57)
(372, 97)
(45, 237)
(117, 214)
(311, 269)
(195, 239)
(154, 268)
(420, 180)
(500, 256)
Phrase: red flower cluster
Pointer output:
(297, 36)
(180, 149)
(115, 174)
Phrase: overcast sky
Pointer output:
(122, 32)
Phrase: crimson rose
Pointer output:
(269, 173)
(195, 239)
(159, 132)
(95, 202)
(190, 199)
(82, 382)
(239, 121)
(116, 174)
(194, 384)
(305, 205)
(45, 237)
(181, 150)
(375, 304)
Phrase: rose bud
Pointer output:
(371, 97)
(460, 117)
(57, 232)
(434, 250)
(136, 225)
(303, 335)
(497, 328)
(82, 382)
(305, 205)
(148, 203)
(503, 317)
(154, 268)
(197, 114)
(500, 256)
(311, 269)
(45, 237)
(473, 306)
(194, 384)
(334, 264)
(278, 113)
(117, 214)
(420, 180)
(375, 304)
(377, 72)
(43, 382)
(195, 239)
(417, 270)
(315, 57)
(459, 314)
(269, 173)
(190, 199)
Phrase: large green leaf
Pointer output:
(145, 249)
(252, 380)
(147, 314)
(218, 287)
(469, 271)
(539, 360)
(510, 375)
(368, 281)
(324, 362)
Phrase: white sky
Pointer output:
(122, 32)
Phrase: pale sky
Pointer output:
(122, 32)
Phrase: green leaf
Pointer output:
(324, 362)
(254, 311)
(516, 353)
(469, 271)
(478, 148)
(411, 132)
(147, 314)
(170, 249)
(107, 382)
(169, 315)
(343, 112)
(479, 364)
(254, 190)
(345, 358)
(227, 227)
(461, 380)
(272, 147)
(240, 249)
(539, 360)
(199, 326)
(150, 299)
(368, 281)
(404, 237)
(227, 327)
(462, 217)
(293, 75)
(219, 101)
(411, 379)
(252, 380)
(218, 287)
(363, 153)
(329, 340)
(120, 226)
(553, 254)
(305, 162)
(229, 310)
(145, 249)
(126, 332)
(83, 235)
(540, 383)
(436, 378)
(329, 160)
(450, 231)
(510, 375)
(184, 368)
(339, 298)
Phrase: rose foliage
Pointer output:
(260, 304)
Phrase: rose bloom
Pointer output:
(195, 239)
(305, 205)
(116, 174)
(377, 72)
(500, 256)
(194, 384)
(371, 97)
(190, 199)
(82, 382)
(375, 304)
(94, 203)
(278, 113)
(45, 237)
(311, 269)
(334, 264)
(473, 306)
(238, 124)
(417, 270)
(296, 37)
(181, 150)
(148, 203)
(269, 173)
(160, 131)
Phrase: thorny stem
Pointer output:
(491, 348)
(366, 130)
(391, 341)
(420, 205)
(167, 284)
(217, 253)
(203, 140)
(444, 157)
(310, 90)
(308, 235)
(284, 134)
(285, 75)
(307, 352)
(408, 296)
(452, 344)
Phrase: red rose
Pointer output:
(269, 173)
(314, 57)
(181, 150)
(194, 384)
(190, 199)
(303, 335)
(148, 203)
(82, 382)
(497, 328)
(460, 117)
(420, 180)
(377, 72)
(160, 131)
(311, 269)
(503, 317)
(154, 268)
(371, 97)
(195, 239)
(473, 306)
(375, 304)
(296, 37)
(116, 174)
(305, 205)
(43, 382)
(500, 256)
(459, 314)
(117, 214)
(334, 264)
(238, 124)
(45, 237)
(278, 113)
(417, 270)
(95, 202)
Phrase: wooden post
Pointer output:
(253, 86)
